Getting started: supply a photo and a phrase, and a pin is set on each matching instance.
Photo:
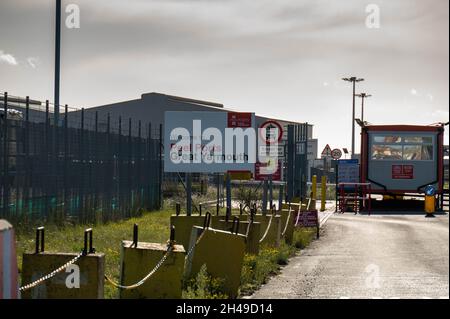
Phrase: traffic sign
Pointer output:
(336, 154)
(326, 151)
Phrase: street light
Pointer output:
(363, 96)
(353, 79)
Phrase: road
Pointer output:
(378, 256)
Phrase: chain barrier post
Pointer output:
(51, 275)
(140, 276)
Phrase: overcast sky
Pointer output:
(281, 58)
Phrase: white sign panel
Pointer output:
(209, 142)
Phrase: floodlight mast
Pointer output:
(353, 80)
(363, 96)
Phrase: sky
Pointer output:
(283, 59)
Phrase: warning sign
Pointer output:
(326, 151)
(402, 171)
(307, 219)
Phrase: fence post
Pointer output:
(129, 174)
(314, 188)
(26, 196)
(160, 157)
(228, 185)
(139, 159)
(264, 199)
(81, 211)
(119, 165)
(270, 192)
(324, 193)
(5, 175)
(66, 162)
(188, 194)
(280, 197)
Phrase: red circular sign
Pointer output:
(269, 124)
(336, 153)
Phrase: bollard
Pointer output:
(323, 196)
(430, 201)
(9, 288)
(81, 280)
(138, 261)
(221, 252)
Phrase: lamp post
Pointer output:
(363, 96)
(353, 80)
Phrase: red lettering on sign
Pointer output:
(402, 171)
(261, 177)
(236, 119)
(307, 219)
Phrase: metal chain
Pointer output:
(267, 230)
(143, 280)
(287, 223)
(191, 250)
(52, 274)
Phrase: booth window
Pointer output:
(387, 139)
(406, 147)
(387, 152)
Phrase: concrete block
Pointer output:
(183, 226)
(252, 240)
(9, 288)
(287, 225)
(274, 233)
(91, 276)
(136, 263)
(223, 255)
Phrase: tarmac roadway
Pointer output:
(378, 256)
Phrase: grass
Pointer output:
(257, 269)
(154, 227)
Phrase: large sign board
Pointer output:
(209, 142)
(348, 171)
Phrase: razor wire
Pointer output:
(52, 274)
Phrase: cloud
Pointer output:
(33, 62)
(413, 92)
(7, 58)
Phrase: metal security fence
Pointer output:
(96, 172)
